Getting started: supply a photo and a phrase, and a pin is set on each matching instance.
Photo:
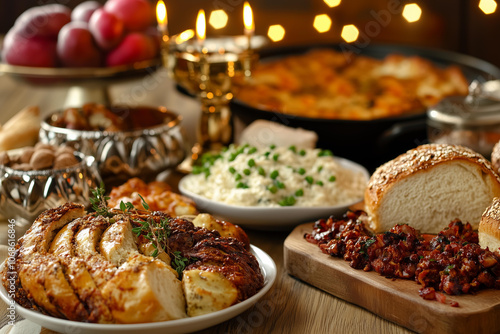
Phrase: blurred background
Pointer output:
(466, 26)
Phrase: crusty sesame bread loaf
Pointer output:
(489, 227)
(429, 186)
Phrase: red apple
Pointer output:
(43, 21)
(84, 11)
(137, 15)
(134, 47)
(76, 46)
(106, 28)
(35, 51)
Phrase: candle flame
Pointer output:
(184, 36)
(201, 26)
(161, 13)
(248, 18)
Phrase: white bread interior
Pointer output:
(430, 186)
(145, 290)
(489, 227)
(207, 291)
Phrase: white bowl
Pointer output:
(271, 218)
(187, 325)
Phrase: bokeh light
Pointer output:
(332, 3)
(322, 23)
(488, 6)
(412, 12)
(350, 33)
(276, 32)
(218, 19)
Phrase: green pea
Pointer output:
(319, 183)
(232, 170)
(241, 185)
(309, 179)
(325, 153)
(332, 178)
(301, 171)
(272, 189)
(276, 156)
(246, 171)
(279, 184)
(274, 174)
(302, 152)
(262, 171)
(287, 201)
(252, 150)
(251, 162)
(299, 193)
(293, 148)
(238, 177)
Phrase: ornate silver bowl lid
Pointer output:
(120, 155)
(25, 194)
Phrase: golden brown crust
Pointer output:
(489, 227)
(420, 158)
(495, 157)
(67, 271)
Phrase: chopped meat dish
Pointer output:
(451, 261)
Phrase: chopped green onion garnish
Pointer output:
(287, 201)
(279, 184)
(325, 153)
(272, 189)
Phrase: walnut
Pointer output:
(26, 155)
(42, 159)
(64, 149)
(4, 159)
(65, 160)
(24, 167)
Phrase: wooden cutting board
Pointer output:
(396, 300)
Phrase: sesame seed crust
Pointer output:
(420, 158)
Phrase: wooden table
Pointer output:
(291, 306)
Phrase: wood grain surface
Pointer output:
(396, 300)
(291, 306)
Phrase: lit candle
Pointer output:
(201, 29)
(248, 22)
(161, 17)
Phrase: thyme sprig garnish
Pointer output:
(99, 201)
(157, 233)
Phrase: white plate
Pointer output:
(267, 266)
(271, 218)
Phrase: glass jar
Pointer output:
(471, 121)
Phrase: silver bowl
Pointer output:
(26, 194)
(124, 154)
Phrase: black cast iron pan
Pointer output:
(372, 142)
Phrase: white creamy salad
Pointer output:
(276, 176)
